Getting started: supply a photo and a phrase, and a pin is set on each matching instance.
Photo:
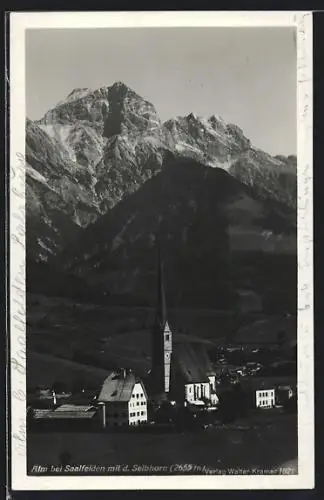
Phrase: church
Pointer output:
(181, 369)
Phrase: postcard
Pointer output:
(161, 250)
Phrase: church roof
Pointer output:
(192, 362)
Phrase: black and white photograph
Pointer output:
(160, 190)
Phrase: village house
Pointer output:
(67, 417)
(262, 391)
(123, 400)
(265, 398)
(284, 392)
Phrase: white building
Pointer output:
(192, 380)
(201, 393)
(265, 398)
(123, 400)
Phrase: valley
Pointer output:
(107, 182)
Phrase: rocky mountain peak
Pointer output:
(129, 113)
(119, 90)
(192, 116)
(217, 122)
(78, 93)
(98, 147)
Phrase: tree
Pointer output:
(290, 406)
(59, 387)
(78, 386)
(233, 403)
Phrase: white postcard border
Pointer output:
(19, 22)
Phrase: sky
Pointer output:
(245, 75)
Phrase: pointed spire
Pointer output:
(160, 318)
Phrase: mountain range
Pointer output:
(105, 177)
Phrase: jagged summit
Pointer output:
(217, 121)
(121, 86)
(76, 94)
(192, 116)
(79, 90)
(98, 146)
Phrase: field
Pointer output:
(68, 341)
(266, 441)
(101, 336)
(44, 369)
(108, 337)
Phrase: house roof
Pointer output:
(118, 388)
(65, 412)
(258, 384)
(265, 388)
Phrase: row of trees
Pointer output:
(59, 387)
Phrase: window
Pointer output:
(133, 395)
(142, 413)
(137, 396)
(167, 337)
(138, 413)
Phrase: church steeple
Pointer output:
(161, 336)
(161, 314)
